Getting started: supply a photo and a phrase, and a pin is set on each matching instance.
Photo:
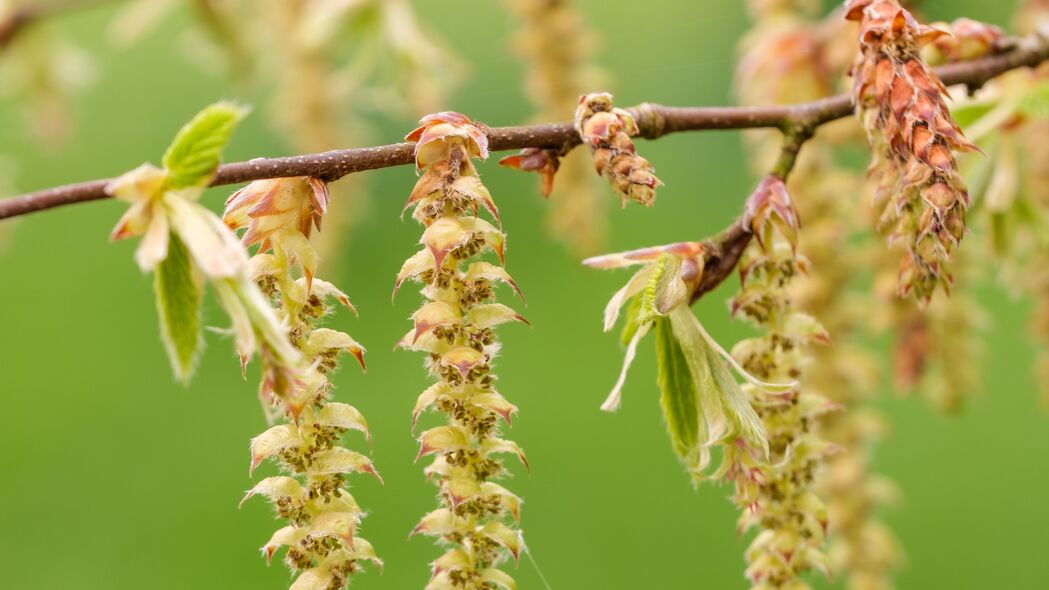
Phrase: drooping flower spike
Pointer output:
(455, 328)
(323, 517)
(785, 59)
(902, 105)
(184, 242)
(776, 495)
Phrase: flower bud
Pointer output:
(607, 130)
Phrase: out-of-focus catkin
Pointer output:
(558, 47)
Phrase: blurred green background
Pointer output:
(115, 477)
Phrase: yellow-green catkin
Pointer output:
(311, 494)
(956, 326)
(862, 549)
(44, 72)
(336, 64)
(785, 59)
(1033, 15)
(310, 106)
(558, 47)
(477, 517)
(777, 496)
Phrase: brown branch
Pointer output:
(653, 120)
(15, 22)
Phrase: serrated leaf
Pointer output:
(745, 421)
(677, 394)
(179, 293)
(193, 155)
(726, 411)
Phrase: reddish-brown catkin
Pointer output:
(902, 104)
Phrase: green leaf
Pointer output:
(677, 395)
(745, 421)
(967, 113)
(647, 311)
(1035, 104)
(193, 156)
(1001, 234)
(725, 408)
(178, 291)
(631, 326)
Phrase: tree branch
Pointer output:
(724, 249)
(654, 121)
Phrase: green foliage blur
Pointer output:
(113, 476)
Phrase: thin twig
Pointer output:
(724, 249)
(653, 120)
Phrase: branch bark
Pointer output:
(653, 120)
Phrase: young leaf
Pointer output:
(727, 412)
(709, 390)
(747, 424)
(677, 394)
(1035, 104)
(967, 113)
(193, 155)
(631, 325)
(178, 290)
